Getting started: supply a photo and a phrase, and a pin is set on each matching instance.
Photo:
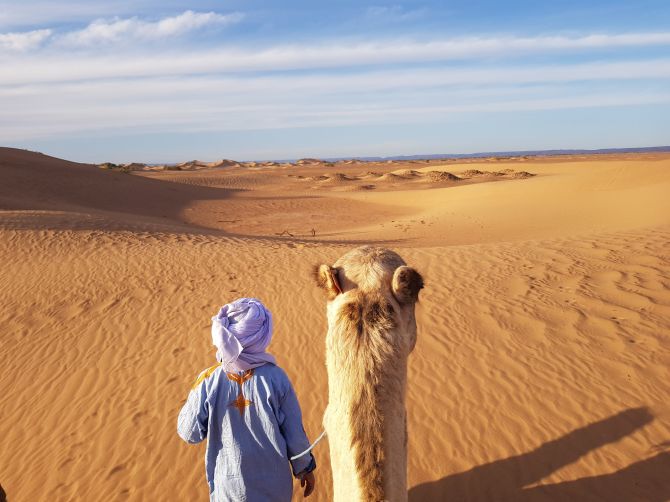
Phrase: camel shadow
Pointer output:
(509, 479)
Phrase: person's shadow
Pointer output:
(509, 479)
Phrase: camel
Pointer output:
(371, 331)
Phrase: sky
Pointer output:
(166, 81)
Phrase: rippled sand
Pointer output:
(541, 370)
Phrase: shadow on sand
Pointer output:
(505, 480)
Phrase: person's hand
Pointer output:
(307, 480)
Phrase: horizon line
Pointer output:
(409, 157)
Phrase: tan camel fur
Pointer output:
(371, 331)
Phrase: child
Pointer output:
(247, 410)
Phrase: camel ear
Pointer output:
(326, 278)
(406, 284)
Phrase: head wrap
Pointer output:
(241, 332)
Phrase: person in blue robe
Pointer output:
(247, 411)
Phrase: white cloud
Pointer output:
(53, 67)
(106, 31)
(248, 102)
(57, 91)
(358, 83)
(201, 115)
(24, 41)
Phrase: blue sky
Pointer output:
(170, 81)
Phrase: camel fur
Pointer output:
(371, 331)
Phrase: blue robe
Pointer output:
(253, 425)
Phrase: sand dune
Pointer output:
(39, 182)
(199, 164)
(390, 177)
(438, 176)
(407, 173)
(403, 179)
(541, 369)
(336, 178)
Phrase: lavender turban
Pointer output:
(241, 332)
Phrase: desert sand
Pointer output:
(542, 368)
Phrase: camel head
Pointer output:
(371, 287)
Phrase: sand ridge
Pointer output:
(404, 179)
(541, 367)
